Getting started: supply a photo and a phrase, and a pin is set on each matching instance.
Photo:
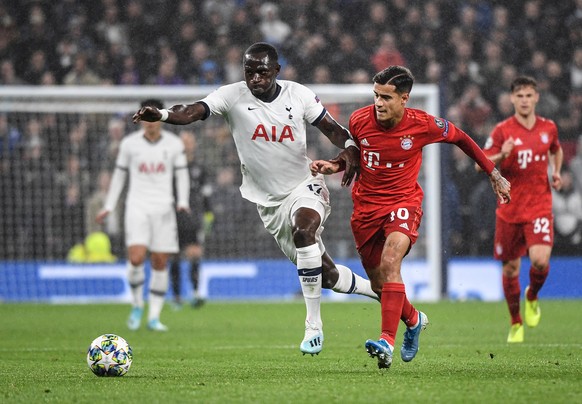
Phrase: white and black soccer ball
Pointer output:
(109, 355)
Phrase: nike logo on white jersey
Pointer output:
(518, 142)
(404, 226)
(365, 142)
(253, 108)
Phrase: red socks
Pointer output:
(536, 281)
(512, 293)
(392, 302)
(409, 314)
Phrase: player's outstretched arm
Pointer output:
(176, 115)
(501, 186)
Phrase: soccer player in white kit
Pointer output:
(152, 157)
(267, 118)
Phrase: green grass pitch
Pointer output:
(245, 352)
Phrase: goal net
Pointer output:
(58, 146)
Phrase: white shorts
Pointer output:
(156, 230)
(311, 194)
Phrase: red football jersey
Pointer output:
(391, 158)
(526, 168)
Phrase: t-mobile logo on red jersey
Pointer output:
(372, 159)
(524, 157)
(152, 168)
(261, 132)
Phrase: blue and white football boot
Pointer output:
(411, 336)
(313, 341)
(382, 350)
(134, 320)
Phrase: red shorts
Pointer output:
(370, 231)
(512, 240)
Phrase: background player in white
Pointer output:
(267, 119)
(152, 157)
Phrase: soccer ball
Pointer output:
(109, 355)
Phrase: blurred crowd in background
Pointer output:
(471, 49)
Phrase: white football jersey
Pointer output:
(270, 137)
(151, 167)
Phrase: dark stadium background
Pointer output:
(471, 50)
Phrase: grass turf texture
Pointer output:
(248, 352)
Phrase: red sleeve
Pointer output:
(555, 146)
(473, 150)
(451, 134)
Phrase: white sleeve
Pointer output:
(182, 179)
(118, 178)
(182, 188)
(220, 100)
(117, 183)
(314, 110)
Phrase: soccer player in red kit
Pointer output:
(387, 197)
(523, 146)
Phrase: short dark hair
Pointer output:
(260, 47)
(523, 81)
(399, 76)
(152, 102)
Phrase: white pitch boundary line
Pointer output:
(239, 347)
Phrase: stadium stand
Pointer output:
(471, 49)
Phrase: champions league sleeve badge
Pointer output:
(442, 124)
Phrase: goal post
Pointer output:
(36, 223)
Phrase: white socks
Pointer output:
(136, 279)
(159, 281)
(309, 272)
(349, 282)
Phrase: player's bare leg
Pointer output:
(342, 279)
(394, 304)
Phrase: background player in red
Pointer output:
(387, 197)
(523, 146)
